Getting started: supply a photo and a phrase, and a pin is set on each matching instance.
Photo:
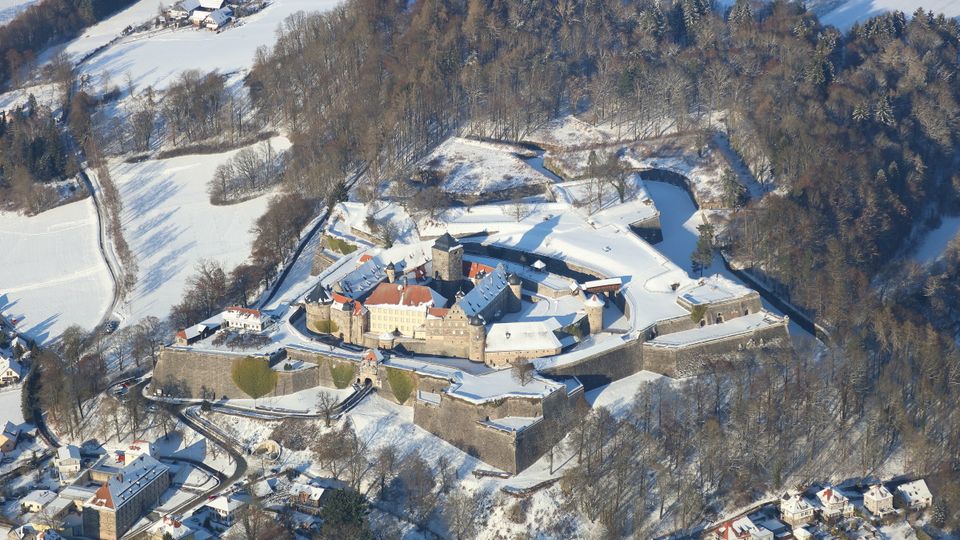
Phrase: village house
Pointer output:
(878, 500)
(833, 504)
(199, 331)
(31, 532)
(795, 510)
(240, 318)
(11, 371)
(306, 495)
(740, 529)
(217, 19)
(36, 500)
(182, 10)
(225, 508)
(125, 498)
(914, 495)
(169, 528)
(67, 462)
(9, 437)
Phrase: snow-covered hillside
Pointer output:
(170, 225)
(155, 58)
(10, 8)
(52, 274)
(845, 13)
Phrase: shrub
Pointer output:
(254, 376)
(342, 374)
(401, 383)
(698, 312)
(325, 327)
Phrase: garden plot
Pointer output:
(53, 274)
(170, 225)
(471, 167)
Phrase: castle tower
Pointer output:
(447, 258)
(317, 305)
(391, 272)
(478, 339)
(516, 293)
(594, 306)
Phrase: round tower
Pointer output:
(516, 286)
(594, 306)
(478, 339)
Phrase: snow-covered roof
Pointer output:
(485, 292)
(169, 525)
(133, 478)
(188, 5)
(405, 257)
(734, 327)
(915, 491)
(877, 492)
(713, 289)
(12, 365)
(499, 384)
(312, 492)
(68, 452)
(225, 504)
(794, 503)
(212, 4)
(396, 294)
(830, 495)
(39, 497)
(522, 336)
(740, 528)
(593, 301)
(220, 16)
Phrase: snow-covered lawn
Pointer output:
(53, 275)
(349, 217)
(10, 406)
(170, 225)
(157, 57)
(474, 167)
(937, 240)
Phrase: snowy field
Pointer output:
(157, 57)
(937, 240)
(11, 8)
(474, 167)
(170, 225)
(53, 275)
(853, 11)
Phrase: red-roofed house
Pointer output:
(833, 504)
(395, 306)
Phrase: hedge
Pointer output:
(401, 383)
(342, 375)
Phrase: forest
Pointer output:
(854, 137)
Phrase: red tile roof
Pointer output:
(438, 312)
(394, 294)
(103, 497)
(473, 269)
(340, 299)
(364, 258)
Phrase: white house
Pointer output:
(11, 371)
(183, 9)
(878, 500)
(225, 507)
(37, 499)
(243, 319)
(915, 495)
(795, 510)
(9, 437)
(67, 462)
(218, 18)
(740, 529)
(833, 504)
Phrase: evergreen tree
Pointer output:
(702, 257)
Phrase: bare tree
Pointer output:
(522, 371)
(326, 404)
(460, 513)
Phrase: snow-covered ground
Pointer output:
(155, 58)
(170, 225)
(10, 406)
(474, 167)
(353, 215)
(53, 275)
(11, 8)
(937, 240)
(849, 12)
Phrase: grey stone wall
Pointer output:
(649, 229)
(686, 361)
(194, 374)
